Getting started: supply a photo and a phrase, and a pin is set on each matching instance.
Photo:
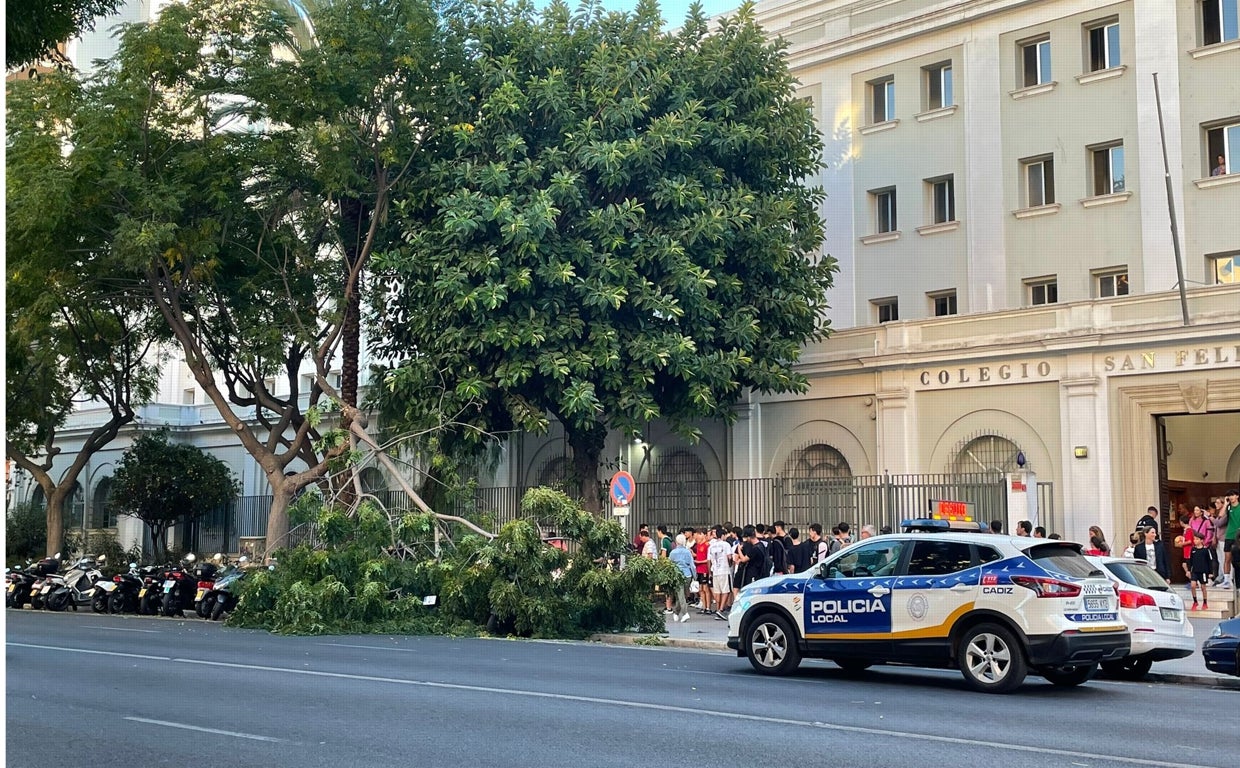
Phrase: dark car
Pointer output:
(1222, 648)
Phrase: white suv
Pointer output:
(996, 607)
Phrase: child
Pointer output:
(1199, 563)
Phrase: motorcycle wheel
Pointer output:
(57, 601)
(149, 606)
(36, 602)
(99, 604)
(203, 608)
(116, 603)
(217, 611)
(170, 607)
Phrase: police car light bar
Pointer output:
(932, 525)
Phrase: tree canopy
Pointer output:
(622, 233)
(163, 484)
(33, 28)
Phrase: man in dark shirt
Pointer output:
(752, 556)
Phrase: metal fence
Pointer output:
(876, 500)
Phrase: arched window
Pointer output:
(372, 481)
(553, 471)
(818, 486)
(75, 508)
(680, 492)
(987, 453)
(101, 514)
(37, 499)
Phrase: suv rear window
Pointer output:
(1063, 558)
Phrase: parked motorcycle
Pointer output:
(151, 593)
(119, 594)
(18, 581)
(42, 571)
(179, 588)
(223, 595)
(206, 574)
(77, 586)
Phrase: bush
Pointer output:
(25, 532)
(512, 584)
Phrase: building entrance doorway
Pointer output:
(1198, 459)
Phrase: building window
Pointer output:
(1039, 177)
(187, 396)
(1111, 283)
(1103, 40)
(939, 86)
(884, 210)
(269, 384)
(1220, 21)
(887, 310)
(1035, 62)
(942, 199)
(1042, 291)
(883, 100)
(1108, 169)
(1225, 268)
(943, 304)
(1222, 149)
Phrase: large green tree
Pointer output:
(33, 28)
(624, 233)
(164, 484)
(73, 338)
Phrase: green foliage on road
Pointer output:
(369, 574)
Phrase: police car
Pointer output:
(996, 607)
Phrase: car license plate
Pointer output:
(1095, 603)
(198, 596)
(1169, 614)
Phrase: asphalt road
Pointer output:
(127, 691)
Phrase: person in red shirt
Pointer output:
(700, 545)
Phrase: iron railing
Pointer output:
(878, 500)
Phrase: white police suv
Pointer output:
(996, 607)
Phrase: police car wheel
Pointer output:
(991, 659)
(1068, 675)
(771, 645)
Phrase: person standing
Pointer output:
(649, 549)
(817, 547)
(1154, 553)
(1199, 562)
(1218, 518)
(1220, 166)
(752, 556)
(701, 567)
(1102, 547)
(719, 553)
(1148, 520)
(1024, 528)
(683, 558)
(1233, 530)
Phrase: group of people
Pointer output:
(717, 561)
(1208, 546)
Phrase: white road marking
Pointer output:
(187, 727)
(368, 647)
(1093, 756)
(120, 629)
(84, 650)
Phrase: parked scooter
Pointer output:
(223, 595)
(151, 594)
(120, 593)
(43, 570)
(77, 586)
(178, 588)
(206, 574)
(17, 583)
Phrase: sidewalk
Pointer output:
(708, 633)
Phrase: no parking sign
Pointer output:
(622, 488)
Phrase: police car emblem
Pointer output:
(918, 607)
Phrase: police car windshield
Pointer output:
(1063, 558)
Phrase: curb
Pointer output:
(1205, 681)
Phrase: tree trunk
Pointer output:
(355, 221)
(587, 446)
(55, 519)
(277, 515)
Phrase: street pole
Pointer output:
(1175, 233)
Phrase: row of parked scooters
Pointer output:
(208, 589)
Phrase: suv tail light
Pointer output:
(1043, 586)
(1129, 599)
